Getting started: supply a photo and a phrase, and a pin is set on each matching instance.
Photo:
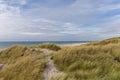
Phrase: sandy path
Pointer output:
(1, 66)
(50, 70)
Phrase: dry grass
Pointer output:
(14, 52)
(21, 64)
(93, 61)
(26, 68)
(50, 46)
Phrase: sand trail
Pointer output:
(50, 70)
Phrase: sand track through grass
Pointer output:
(50, 70)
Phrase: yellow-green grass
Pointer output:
(26, 68)
(93, 61)
(107, 41)
(50, 46)
(21, 64)
(15, 52)
(98, 60)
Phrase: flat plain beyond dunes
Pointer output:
(99, 60)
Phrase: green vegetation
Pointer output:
(50, 46)
(21, 63)
(94, 61)
(107, 41)
(15, 52)
(98, 60)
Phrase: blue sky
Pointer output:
(56, 20)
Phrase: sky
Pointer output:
(59, 20)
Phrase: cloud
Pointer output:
(66, 20)
(23, 2)
(31, 34)
(6, 10)
(109, 7)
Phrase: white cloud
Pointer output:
(31, 34)
(23, 2)
(49, 22)
(109, 7)
(8, 10)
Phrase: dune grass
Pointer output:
(50, 46)
(26, 68)
(98, 60)
(107, 41)
(15, 52)
(94, 61)
(21, 64)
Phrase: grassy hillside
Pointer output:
(98, 60)
(94, 61)
(50, 46)
(21, 63)
(107, 41)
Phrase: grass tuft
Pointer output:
(50, 46)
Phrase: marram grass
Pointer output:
(21, 67)
(98, 60)
(50, 46)
(94, 61)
